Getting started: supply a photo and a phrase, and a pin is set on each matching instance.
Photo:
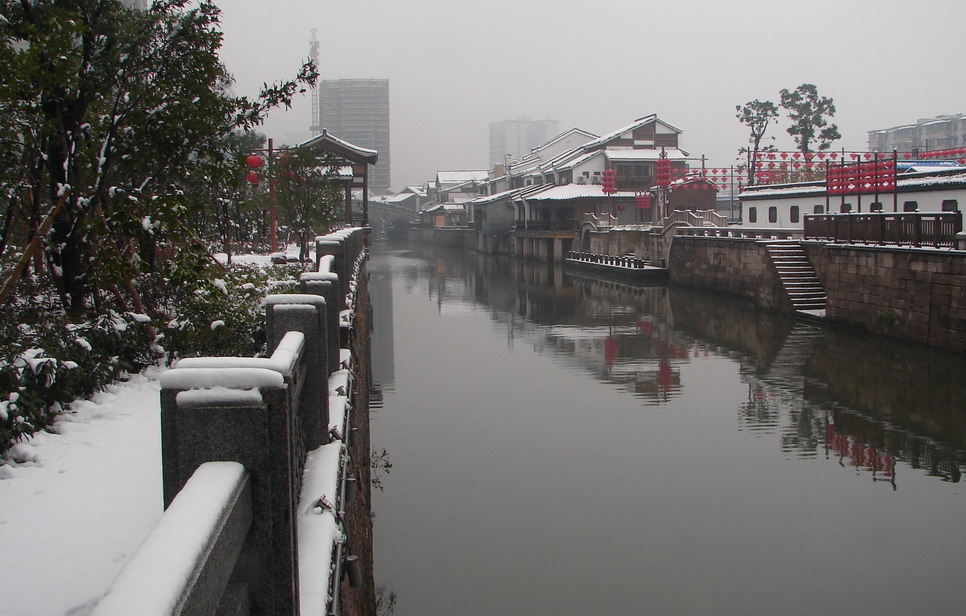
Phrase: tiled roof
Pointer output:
(575, 191)
(624, 154)
(462, 176)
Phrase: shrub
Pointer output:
(46, 365)
(47, 362)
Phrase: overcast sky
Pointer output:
(455, 67)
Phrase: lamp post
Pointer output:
(255, 161)
(607, 176)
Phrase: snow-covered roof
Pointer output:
(633, 154)
(904, 183)
(922, 166)
(577, 158)
(399, 198)
(462, 176)
(508, 194)
(342, 171)
(446, 207)
(342, 147)
(575, 191)
(629, 128)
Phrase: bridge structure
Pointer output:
(385, 218)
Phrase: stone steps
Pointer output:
(797, 275)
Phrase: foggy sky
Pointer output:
(456, 67)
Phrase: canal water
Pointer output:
(565, 446)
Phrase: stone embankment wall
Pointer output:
(652, 247)
(918, 295)
(735, 266)
(912, 294)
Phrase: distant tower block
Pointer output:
(518, 137)
(357, 110)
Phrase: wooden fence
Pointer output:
(936, 229)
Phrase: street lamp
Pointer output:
(255, 161)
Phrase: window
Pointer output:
(752, 214)
(875, 207)
(950, 205)
(910, 206)
(818, 209)
(846, 208)
(773, 214)
(793, 214)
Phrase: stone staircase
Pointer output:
(797, 275)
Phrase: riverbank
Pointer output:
(912, 294)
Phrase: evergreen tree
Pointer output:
(756, 115)
(308, 194)
(809, 115)
(115, 125)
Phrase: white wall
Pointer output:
(927, 201)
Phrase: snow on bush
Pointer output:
(47, 362)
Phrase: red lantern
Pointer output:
(254, 161)
(252, 177)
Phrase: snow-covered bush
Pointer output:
(48, 363)
(222, 315)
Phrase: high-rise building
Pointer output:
(518, 137)
(357, 111)
(941, 132)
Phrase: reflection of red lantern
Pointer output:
(610, 351)
(254, 161)
(620, 208)
(252, 177)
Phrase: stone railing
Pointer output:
(256, 474)
(699, 218)
(613, 261)
(741, 232)
(604, 221)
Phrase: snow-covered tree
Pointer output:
(307, 194)
(116, 125)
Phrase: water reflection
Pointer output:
(862, 402)
(570, 446)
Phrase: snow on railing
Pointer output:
(284, 420)
(764, 233)
(207, 522)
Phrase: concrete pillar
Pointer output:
(330, 245)
(306, 314)
(254, 427)
(326, 284)
(558, 250)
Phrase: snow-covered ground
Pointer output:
(80, 501)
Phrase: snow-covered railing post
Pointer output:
(332, 245)
(307, 314)
(241, 415)
(326, 285)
